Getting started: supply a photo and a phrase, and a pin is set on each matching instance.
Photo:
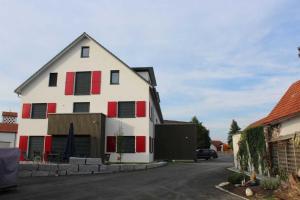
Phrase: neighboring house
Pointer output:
(8, 130)
(216, 145)
(89, 86)
(282, 131)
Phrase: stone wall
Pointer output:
(79, 166)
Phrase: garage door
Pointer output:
(36, 146)
(4, 144)
(82, 145)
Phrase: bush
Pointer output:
(270, 183)
(236, 178)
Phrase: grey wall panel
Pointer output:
(175, 141)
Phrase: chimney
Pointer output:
(9, 117)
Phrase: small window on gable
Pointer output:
(53, 80)
(114, 77)
(85, 52)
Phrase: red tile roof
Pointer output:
(8, 128)
(10, 114)
(288, 106)
(257, 123)
(216, 143)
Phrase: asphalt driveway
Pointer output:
(175, 181)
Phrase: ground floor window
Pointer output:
(126, 144)
(36, 147)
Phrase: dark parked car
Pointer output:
(206, 153)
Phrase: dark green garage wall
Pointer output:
(175, 141)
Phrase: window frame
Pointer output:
(134, 109)
(82, 55)
(38, 117)
(78, 103)
(50, 83)
(132, 149)
(111, 73)
(75, 83)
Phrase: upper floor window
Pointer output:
(114, 77)
(85, 52)
(38, 110)
(81, 107)
(53, 80)
(126, 109)
(82, 83)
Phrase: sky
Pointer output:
(218, 60)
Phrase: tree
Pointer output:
(203, 139)
(234, 128)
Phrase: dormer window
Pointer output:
(85, 52)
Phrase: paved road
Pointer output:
(175, 181)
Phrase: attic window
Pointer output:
(85, 52)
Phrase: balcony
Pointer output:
(90, 127)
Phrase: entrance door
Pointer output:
(36, 146)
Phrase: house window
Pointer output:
(126, 144)
(85, 52)
(38, 111)
(81, 107)
(126, 109)
(53, 80)
(83, 83)
(114, 77)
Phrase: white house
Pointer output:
(8, 130)
(87, 85)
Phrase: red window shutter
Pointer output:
(48, 146)
(141, 108)
(111, 144)
(69, 87)
(51, 108)
(140, 144)
(26, 110)
(96, 82)
(23, 143)
(112, 109)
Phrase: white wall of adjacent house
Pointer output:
(131, 88)
(235, 143)
(7, 140)
(290, 126)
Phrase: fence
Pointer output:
(285, 155)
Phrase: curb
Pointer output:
(222, 189)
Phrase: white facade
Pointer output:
(290, 126)
(235, 144)
(131, 87)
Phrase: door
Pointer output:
(36, 146)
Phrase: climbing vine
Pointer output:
(252, 149)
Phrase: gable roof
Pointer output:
(149, 70)
(287, 107)
(257, 123)
(19, 89)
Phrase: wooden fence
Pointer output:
(285, 155)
